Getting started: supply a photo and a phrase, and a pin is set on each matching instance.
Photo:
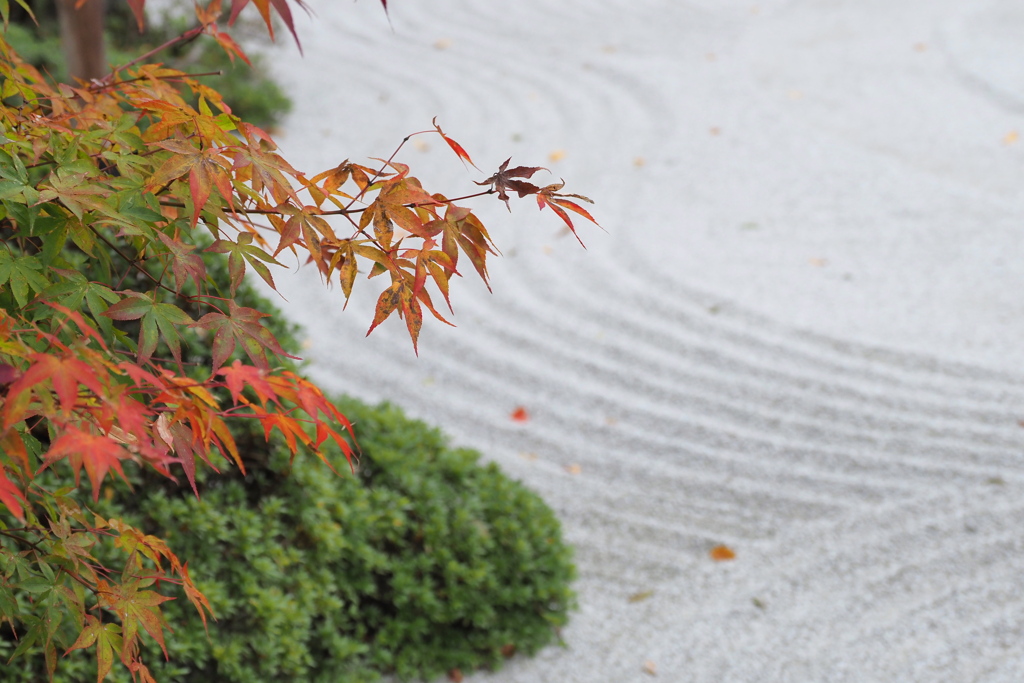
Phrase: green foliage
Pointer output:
(422, 562)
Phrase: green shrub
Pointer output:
(421, 562)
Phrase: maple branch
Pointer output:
(186, 37)
(34, 546)
(132, 262)
(340, 212)
(126, 352)
(176, 77)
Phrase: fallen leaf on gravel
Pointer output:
(818, 262)
(715, 130)
(573, 469)
(639, 161)
(650, 668)
(1011, 137)
(520, 415)
(455, 675)
(443, 44)
(557, 155)
(641, 596)
(508, 650)
(721, 553)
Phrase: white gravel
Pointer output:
(800, 336)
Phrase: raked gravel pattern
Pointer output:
(799, 337)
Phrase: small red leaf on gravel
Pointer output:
(455, 675)
(520, 415)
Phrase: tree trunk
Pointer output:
(81, 32)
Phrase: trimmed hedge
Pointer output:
(422, 562)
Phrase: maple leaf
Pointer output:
(550, 197)
(107, 638)
(440, 267)
(311, 229)
(22, 273)
(208, 18)
(205, 167)
(456, 147)
(99, 454)
(505, 179)
(199, 600)
(341, 174)
(159, 321)
(137, 607)
(722, 553)
(240, 253)
(387, 303)
(184, 264)
(264, 7)
(241, 325)
(11, 496)
(11, 443)
(262, 167)
(461, 228)
(393, 205)
(238, 375)
(64, 373)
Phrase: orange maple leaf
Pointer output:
(722, 553)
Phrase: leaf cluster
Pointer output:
(120, 352)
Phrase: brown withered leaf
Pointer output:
(640, 597)
(505, 179)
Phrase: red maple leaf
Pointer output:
(99, 454)
(11, 496)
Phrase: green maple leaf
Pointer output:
(241, 252)
(159, 321)
(22, 273)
